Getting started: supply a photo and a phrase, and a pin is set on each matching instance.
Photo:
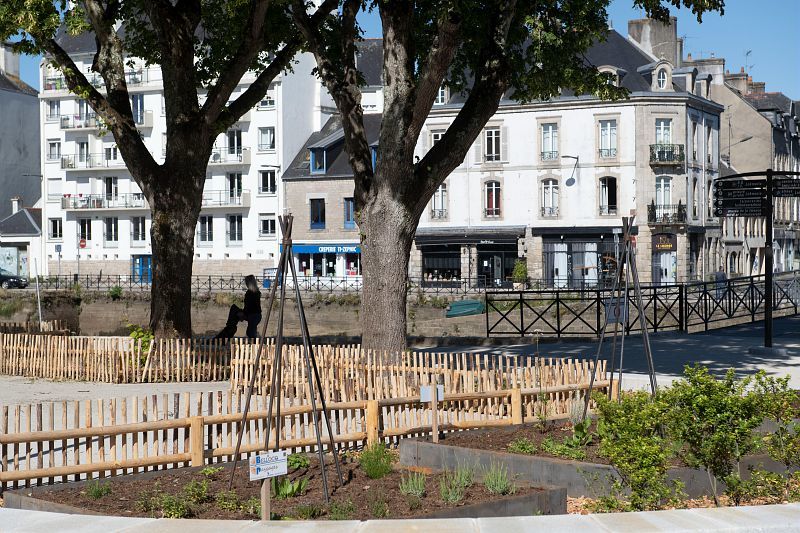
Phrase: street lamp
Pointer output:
(571, 179)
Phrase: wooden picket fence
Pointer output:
(52, 442)
(48, 326)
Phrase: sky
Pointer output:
(768, 28)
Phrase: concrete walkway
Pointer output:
(767, 518)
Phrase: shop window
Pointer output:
(349, 213)
(317, 213)
(492, 199)
(608, 195)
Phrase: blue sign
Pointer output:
(325, 248)
(58, 248)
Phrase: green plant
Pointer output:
(307, 512)
(522, 445)
(581, 435)
(174, 507)
(227, 500)
(252, 506)
(413, 484)
(375, 461)
(142, 334)
(780, 404)
(211, 471)
(298, 460)
(454, 484)
(196, 491)
(520, 272)
(496, 480)
(715, 419)
(542, 410)
(439, 302)
(284, 487)
(341, 510)
(562, 449)
(115, 292)
(769, 486)
(96, 490)
(378, 507)
(148, 501)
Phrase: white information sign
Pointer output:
(616, 312)
(267, 465)
(426, 393)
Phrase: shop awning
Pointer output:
(326, 248)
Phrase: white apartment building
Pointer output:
(96, 218)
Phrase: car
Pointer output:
(10, 281)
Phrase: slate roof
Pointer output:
(769, 101)
(369, 60)
(14, 84)
(83, 43)
(331, 136)
(619, 52)
(26, 222)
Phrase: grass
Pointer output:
(341, 510)
(378, 507)
(375, 461)
(453, 485)
(307, 512)
(496, 479)
(522, 445)
(413, 484)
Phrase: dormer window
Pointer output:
(441, 96)
(318, 162)
(661, 79)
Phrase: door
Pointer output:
(560, 266)
(665, 268)
(235, 187)
(235, 142)
(142, 269)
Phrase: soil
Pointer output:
(362, 494)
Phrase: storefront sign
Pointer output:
(325, 248)
(665, 242)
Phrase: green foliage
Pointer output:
(115, 292)
(252, 506)
(715, 419)
(413, 484)
(522, 445)
(307, 512)
(96, 490)
(375, 461)
(283, 488)
(454, 484)
(781, 405)
(378, 506)
(562, 449)
(770, 487)
(148, 501)
(211, 471)
(581, 435)
(496, 479)
(520, 272)
(341, 510)
(143, 334)
(9, 306)
(174, 507)
(438, 302)
(298, 460)
(631, 439)
(196, 491)
(227, 500)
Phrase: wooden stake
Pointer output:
(266, 512)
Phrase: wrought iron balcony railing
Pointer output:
(549, 156)
(608, 153)
(608, 209)
(438, 214)
(666, 214)
(667, 154)
(551, 211)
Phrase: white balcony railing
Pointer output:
(81, 202)
(226, 199)
(230, 156)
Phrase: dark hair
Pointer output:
(250, 279)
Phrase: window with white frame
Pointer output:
(268, 100)
(608, 195)
(234, 186)
(549, 197)
(205, 229)
(661, 78)
(266, 138)
(663, 191)
(441, 96)
(83, 151)
(137, 108)
(234, 228)
(138, 230)
(111, 153)
(85, 229)
(56, 227)
(663, 131)
(491, 150)
(266, 182)
(436, 136)
(694, 141)
(608, 138)
(266, 225)
(53, 150)
(492, 199)
(110, 187)
(111, 230)
(439, 203)
(53, 110)
(550, 141)
(709, 145)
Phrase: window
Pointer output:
(111, 233)
(549, 198)
(661, 78)
(53, 109)
(349, 213)
(317, 213)
(85, 228)
(549, 142)
(318, 161)
(268, 100)
(608, 138)
(608, 196)
(111, 153)
(137, 108)
(234, 228)
(83, 110)
(492, 204)
(492, 145)
(266, 183)
(83, 151)
(56, 228)
(138, 229)
(53, 150)
(439, 203)
(266, 138)
(436, 136)
(663, 191)
(663, 131)
(709, 145)
(235, 187)
(110, 187)
(234, 142)
(441, 96)
(205, 228)
(266, 225)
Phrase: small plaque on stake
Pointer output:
(269, 464)
(426, 393)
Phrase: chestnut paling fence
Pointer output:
(368, 399)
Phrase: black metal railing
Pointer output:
(666, 214)
(607, 153)
(549, 156)
(667, 154)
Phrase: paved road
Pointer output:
(719, 350)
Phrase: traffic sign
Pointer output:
(82, 243)
(269, 464)
(739, 184)
(58, 248)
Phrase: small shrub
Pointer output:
(769, 486)
(414, 502)
(143, 334)
(298, 460)
(341, 510)
(496, 480)
(560, 449)
(173, 507)
(413, 484)
(148, 501)
(375, 461)
(285, 488)
(439, 302)
(520, 272)
(227, 500)
(96, 490)
(115, 292)
(252, 506)
(196, 491)
(211, 471)
(522, 445)
(378, 507)
(453, 485)
(581, 434)
(307, 512)
(465, 475)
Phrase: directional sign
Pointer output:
(785, 187)
(740, 184)
(740, 203)
(270, 464)
(743, 212)
(740, 193)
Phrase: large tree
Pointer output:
(204, 48)
(528, 49)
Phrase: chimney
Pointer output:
(15, 204)
(9, 61)
(657, 38)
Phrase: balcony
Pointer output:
(549, 212)
(85, 202)
(549, 156)
(608, 153)
(217, 199)
(666, 214)
(438, 214)
(667, 154)
(55, 83)
(606, 210)
(79, 122)
(144, 120)
(232, 156)
(90, 161)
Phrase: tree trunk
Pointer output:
(388, 232)
(174, 210)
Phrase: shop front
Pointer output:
(665, 258)
(335, 260)
(580, 260)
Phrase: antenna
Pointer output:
(747, 66)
